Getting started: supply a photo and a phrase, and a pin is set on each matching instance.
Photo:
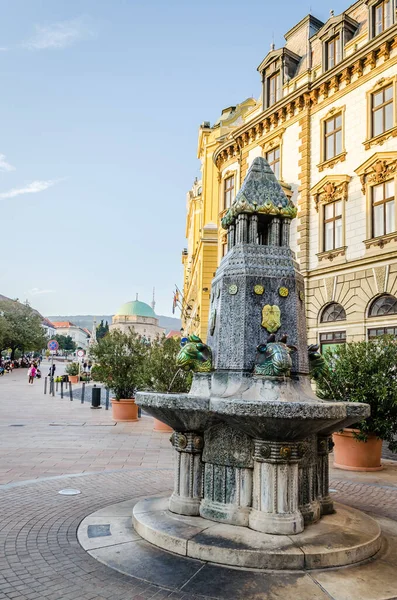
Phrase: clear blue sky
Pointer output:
(100, 106)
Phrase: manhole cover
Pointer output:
(69, 492)
(94, 531)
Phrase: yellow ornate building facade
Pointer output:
(326, 121)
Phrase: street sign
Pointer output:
(53, 345)
(80, 353)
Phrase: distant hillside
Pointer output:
(86, 320)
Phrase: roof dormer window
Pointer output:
(274, 89)
(381, 15)
(333, 47)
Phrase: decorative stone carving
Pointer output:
(331, 188)
(324, 447)
(273, 358)
(275, 505)
(195, 356)
(378, 172)
(271, 318)
(188, 479)
(228, 458)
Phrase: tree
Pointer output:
(161, 373)
(65, 343)
(120, 359)
(21, 328)
(365, 372)
(102, 330)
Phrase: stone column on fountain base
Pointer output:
(188, 480)
(324, 447)
(275, 505)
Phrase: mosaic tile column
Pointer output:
(227, 475)
(188, 479)
(275, 503)
(324, 447)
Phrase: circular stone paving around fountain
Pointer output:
(344, 538)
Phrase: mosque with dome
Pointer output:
(139, 316)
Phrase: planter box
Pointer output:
(352, 455)
(124, 410)
(73, 378)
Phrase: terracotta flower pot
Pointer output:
(353, 455)
(160, 426)
(124, 410)
(73, 378)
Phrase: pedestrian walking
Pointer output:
(32, 373)
(51, 371)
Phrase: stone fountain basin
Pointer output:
(270, 420)
(287, 421)
(182, 412)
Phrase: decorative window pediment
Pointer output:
(330, 188)
(377, 169)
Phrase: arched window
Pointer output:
(199, 191)
(384, 305)
(333, 312)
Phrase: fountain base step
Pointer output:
(344, 538)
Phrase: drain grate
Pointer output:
(17, 425)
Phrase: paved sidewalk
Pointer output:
(43, 436)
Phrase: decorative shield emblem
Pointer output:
(271, 318)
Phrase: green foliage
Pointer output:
(72, 368)
(161, 372)
(65, 342)
(102, 330)
(20, 328)
(95, 373)
(365, 372)
(120, 359)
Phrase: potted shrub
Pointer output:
(73, 370)
(363, 372)
(120, 359)
(161, 373)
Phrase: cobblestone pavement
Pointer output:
(40, 557)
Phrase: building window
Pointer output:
(382, 16)
(228, 194)
(383, 306)
(382, 110)
(332, 225)
(383, 208)
(333, 52)
(379, 331)
(333, 136)
(273, 158)
(333, 312)
(331, 340)
(274, 89)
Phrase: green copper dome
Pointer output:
(136, 308)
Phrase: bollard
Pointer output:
(96, 397)
(83, 393)
(45, 385)
(70, 392)
(139, 412)
(62, 388)
(56, 388)
(52, 386)
(107, 400)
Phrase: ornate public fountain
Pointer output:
(251, 439)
